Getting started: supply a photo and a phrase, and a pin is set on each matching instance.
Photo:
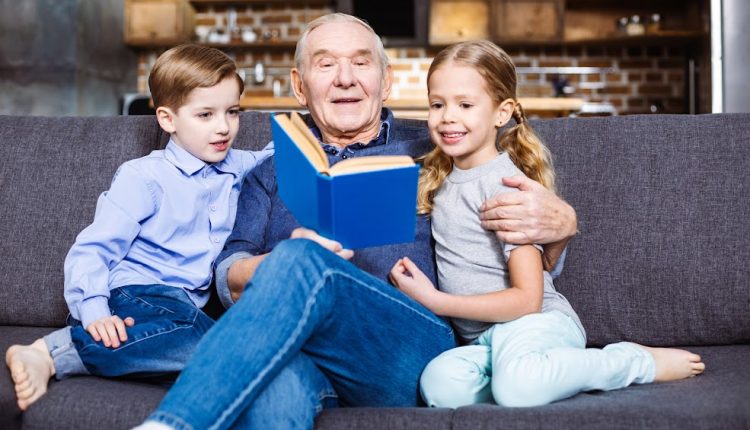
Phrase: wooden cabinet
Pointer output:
(527, 20)
(158, 22)
(454, 21)
(592, 21)
(522, 22)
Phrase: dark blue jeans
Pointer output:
(305, 304)
(168, 327)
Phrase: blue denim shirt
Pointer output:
(263, 221)
(163, 221)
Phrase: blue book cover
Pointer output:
(359, 202)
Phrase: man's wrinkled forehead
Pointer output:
(324, 52)
(340, 39)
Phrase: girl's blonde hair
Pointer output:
(523, 146)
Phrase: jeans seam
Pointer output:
(303, 321)
(284, 349)
(139, 299)
(123, 347)
(170, 420)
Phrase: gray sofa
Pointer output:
(662, 258)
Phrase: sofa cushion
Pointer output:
(663, 204)
(53, 171)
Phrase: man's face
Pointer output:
(207, 123)
(342, 82)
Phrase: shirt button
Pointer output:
(213, 208)
(215, 239)
(344, 156)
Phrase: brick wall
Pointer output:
(633, 79)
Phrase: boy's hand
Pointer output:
(110, 330)
(331, 245)
(413, 282)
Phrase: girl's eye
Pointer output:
(204, 115)
(234, 112)
(465, 105)
(436, 105)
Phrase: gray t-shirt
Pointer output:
(470, 259)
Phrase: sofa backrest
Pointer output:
(663, 204)
(53, 171)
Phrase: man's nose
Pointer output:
(345, 75)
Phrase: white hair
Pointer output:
(337, 18)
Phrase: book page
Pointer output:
(370, 163)
(304, 139)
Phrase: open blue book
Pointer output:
(359, 202)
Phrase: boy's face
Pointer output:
(207, 123)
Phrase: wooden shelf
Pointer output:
(257, 2)
(281, 46)
(662, 37)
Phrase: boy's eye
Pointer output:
(436, 105)
(234, 112)
(204, 115)
(465, 105)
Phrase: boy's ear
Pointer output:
(165, 116)
(504, 112)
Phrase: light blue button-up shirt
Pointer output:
(163, 221)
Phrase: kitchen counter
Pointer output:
(417, 108)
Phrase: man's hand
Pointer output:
(407, 277)
(532, 215)
(110, 330)
(331, 245)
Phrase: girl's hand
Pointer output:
(407, 277)
(110, 330)
(331, 245)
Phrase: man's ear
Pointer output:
(165, 116)
(299, 92)
(504, 112)
(387, 82)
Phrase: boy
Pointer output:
(137, 277)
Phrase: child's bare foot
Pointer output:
(30, 367)
(673, 364)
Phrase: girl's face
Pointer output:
(463, 118)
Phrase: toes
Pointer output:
(695, 358)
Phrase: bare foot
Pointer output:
(30, 367)
(673, 364)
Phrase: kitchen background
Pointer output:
(583, 57)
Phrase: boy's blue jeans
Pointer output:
(167, 329)
(306, 305)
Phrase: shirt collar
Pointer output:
(190, 164)
(386, 123)
(182, 159)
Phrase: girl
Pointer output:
(526, 345)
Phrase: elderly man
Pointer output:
(312, 329)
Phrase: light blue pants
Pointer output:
(531, 361)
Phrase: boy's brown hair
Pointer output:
(186, 67)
